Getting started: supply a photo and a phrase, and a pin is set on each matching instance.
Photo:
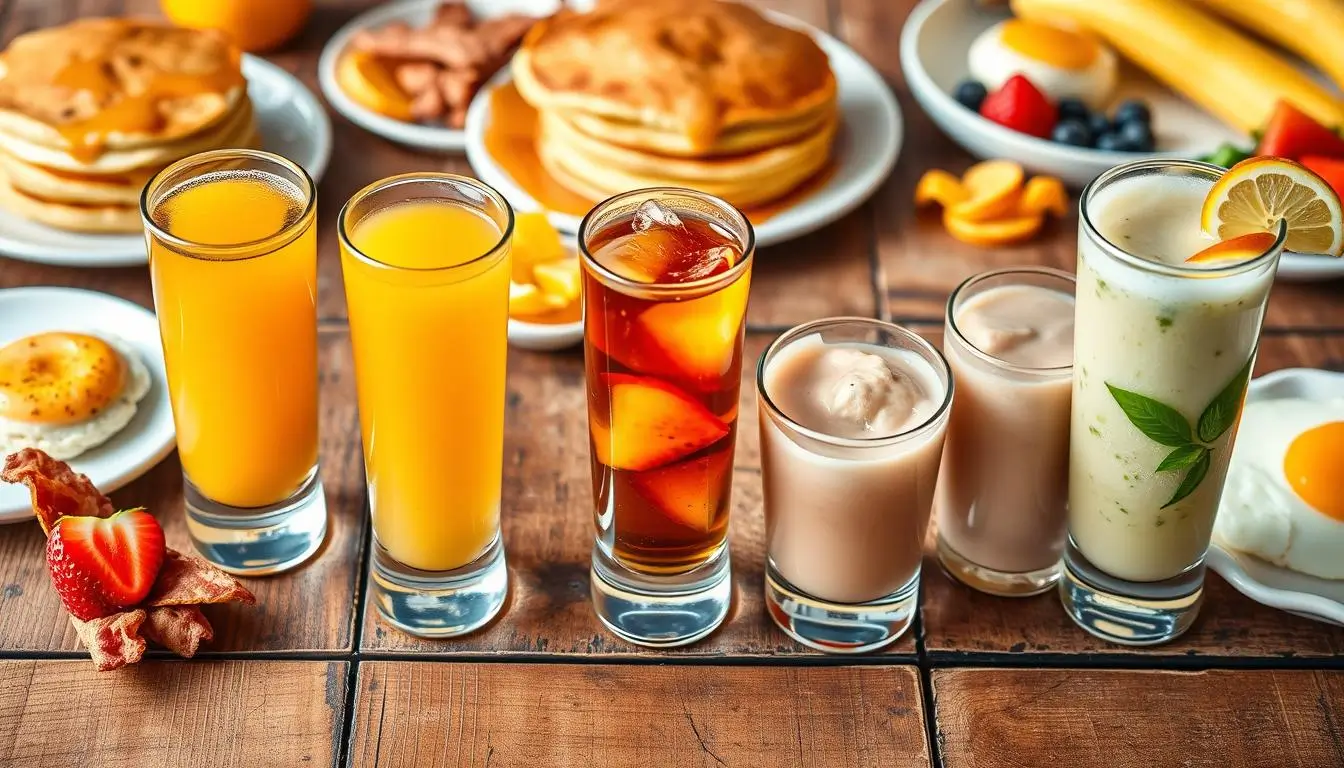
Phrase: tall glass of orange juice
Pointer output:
(233, 258)
(426, 265)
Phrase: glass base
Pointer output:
(438, 604)
(839, 627)
(992, 582)
(1129, 612)
(661, 611)
(262, 540)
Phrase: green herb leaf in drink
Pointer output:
(1222, 412)
(1182, 458)
(1158, 421)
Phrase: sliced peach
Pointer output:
(690, 340)
(993, 187)
(535, 241)
(560, 279)
(370, 84)
(1241, 248)
(526, 299)
(1043, 194)
(650, 424)
(996, 232)
(687, 493)
(941, 187)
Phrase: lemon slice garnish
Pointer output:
(1255, 194)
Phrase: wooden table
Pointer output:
(309, 676)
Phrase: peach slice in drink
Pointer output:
(650, 424)
(678, 491)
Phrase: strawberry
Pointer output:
(1020, 106)
(100, 566)
(1293, 134)
(1329, 168)
(650, 424)
(688, 493)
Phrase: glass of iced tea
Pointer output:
(666, 274)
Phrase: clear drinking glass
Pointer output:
(1163, 351)
(233, 258)
(1003, 490)
(426, 262)
(846, 517)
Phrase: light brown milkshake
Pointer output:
(852, 422)
(1003, 488)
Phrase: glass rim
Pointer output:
(798, 331)
(612, 279)
(998, 362)
(1161, 268)
(262, 246)
(436, 177)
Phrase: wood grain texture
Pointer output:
(429, 715)
(56, 714)
(988, 718)
(960, 620)
(310, 609)
(548, 531)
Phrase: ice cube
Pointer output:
(702, 264)
(650, 213)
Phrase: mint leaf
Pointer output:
(1221, 414)
(1160, 422)
(1192, 480)
(1185, 456)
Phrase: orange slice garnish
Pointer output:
(993, 186)
(1240, 248)
(1044, 194)
(370, 84)
(1255, 194)
(941, 187)
(996, 232)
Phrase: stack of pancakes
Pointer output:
(90, 111)
(690, 93)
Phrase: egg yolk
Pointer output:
(1057, 47)
(59, 378)
(1312, 465)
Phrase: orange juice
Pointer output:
(237, 304)
(428, 297)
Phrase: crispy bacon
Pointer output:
(57, 490)
(179, 628)
(187, 580)
(113, 641)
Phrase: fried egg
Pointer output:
(1284, 497)
(1060, 62)
(65, 393)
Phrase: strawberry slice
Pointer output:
(1293, 134)
(1019, 105)
(650, 424)
(101, 565)
(687, 493)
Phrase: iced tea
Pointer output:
(666, 290)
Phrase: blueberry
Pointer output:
(970, 94)
(1071, 108)
(1112, 142)
(1098, 123)
(1133, 111)
(1138, 137)
(1073, 132)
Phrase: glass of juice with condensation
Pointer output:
(426, 265)
(1163, 349)
(665, 276)
(233, 259)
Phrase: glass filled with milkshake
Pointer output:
(1003, 487)
(852, 417)
(1167, 326)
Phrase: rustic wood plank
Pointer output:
(429, 715)
(959, 620)
(992, 718)
(55, 714)
(548, 532)
(310, 609)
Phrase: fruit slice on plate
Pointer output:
(369, 83)
(535, 241)
(558, 278)
(102, 565)
(992, 188)
(526, 299)
(650, 424)
(941, 187)
(996, 232)
(1241, 248)
(1043, 194)
(687, 493)
(1255, 194)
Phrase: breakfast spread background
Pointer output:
(629, 159)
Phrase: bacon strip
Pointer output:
(113, 641)
(179, 628)
(56, 489)
(188, 580)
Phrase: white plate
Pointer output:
(434, 138)
(1265, 582)
(865, 150)
(292, 123)
(149, 436)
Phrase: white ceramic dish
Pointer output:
(541, 337)
(1265, 582)
(865, 150)
(149, 437)
(434, 138)
(292, 123)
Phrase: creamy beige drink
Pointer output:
(853, 414)
(1162, 355)
(1003, 487)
